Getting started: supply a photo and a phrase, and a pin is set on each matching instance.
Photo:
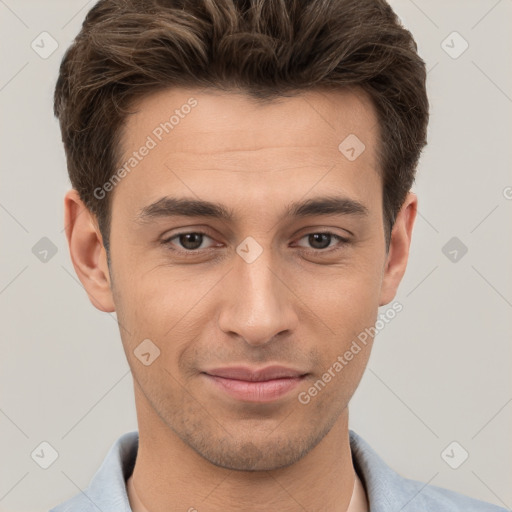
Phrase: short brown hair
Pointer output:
(127, 49)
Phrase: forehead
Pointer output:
(318, 117)
(207, 143)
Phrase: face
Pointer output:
(243, 237)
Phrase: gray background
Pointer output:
(440, 371)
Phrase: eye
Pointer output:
(189, 241)
(322, 240)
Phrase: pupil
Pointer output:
(317, 237)
(188, 242)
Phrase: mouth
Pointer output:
(255, 385)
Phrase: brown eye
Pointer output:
(191, 241)
(319, 240)
(186, 242)
(323, 240)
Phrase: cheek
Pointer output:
(346, 301)
(170, 311)
(345, 297)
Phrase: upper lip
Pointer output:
(256, 374)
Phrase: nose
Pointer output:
(258, 302)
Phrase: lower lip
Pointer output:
(262, 391)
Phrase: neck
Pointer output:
(169, 475)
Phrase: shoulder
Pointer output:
(388, 491)
(425, 497)
(107, 488)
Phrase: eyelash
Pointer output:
(194, 252)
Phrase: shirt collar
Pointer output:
(386, 491)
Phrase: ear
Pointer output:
(398, 254)
(87, 252)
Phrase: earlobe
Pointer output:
(87, 252)
(398, 254)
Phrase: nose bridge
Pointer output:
(258, 305)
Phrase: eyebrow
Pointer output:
(173, 207)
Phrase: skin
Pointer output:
(295, 305)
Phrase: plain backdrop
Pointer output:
(439, 372)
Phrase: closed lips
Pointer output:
(256, 375)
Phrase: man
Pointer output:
(241, 199)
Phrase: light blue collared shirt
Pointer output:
(386, 490)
